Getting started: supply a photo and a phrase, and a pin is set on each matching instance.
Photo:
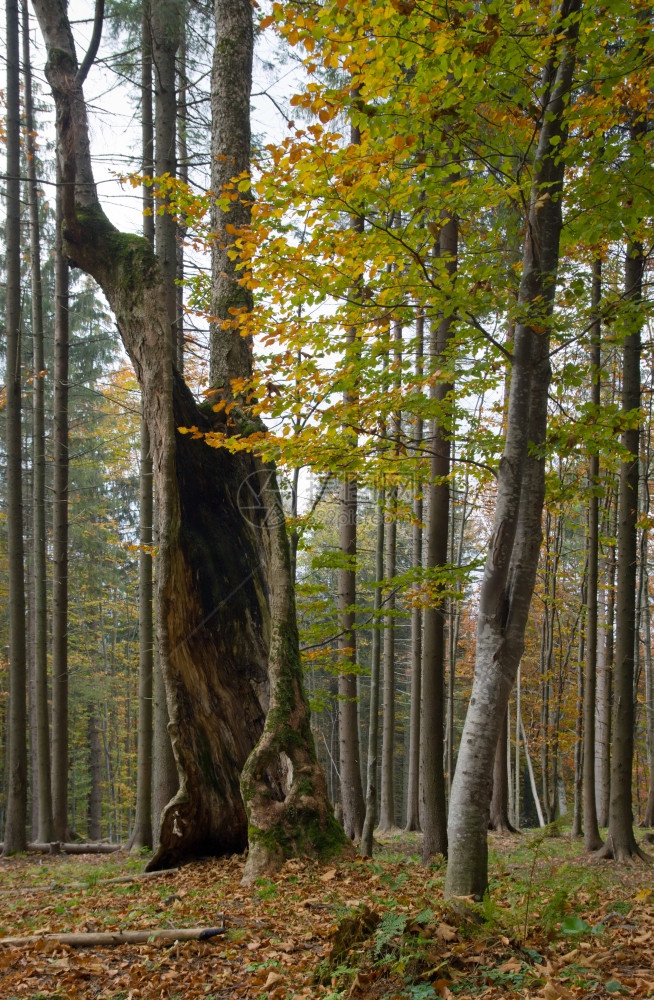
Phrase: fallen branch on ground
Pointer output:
(95, 938)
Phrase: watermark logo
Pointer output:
(259, 501)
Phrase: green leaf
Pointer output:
(575, 925)
(613, 986)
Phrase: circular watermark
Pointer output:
(259, 500)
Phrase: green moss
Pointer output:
(132, 257)
(308, 835)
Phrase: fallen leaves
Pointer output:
(280, 933)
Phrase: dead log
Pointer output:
(75, 848)
(95, 939)
(59, 886)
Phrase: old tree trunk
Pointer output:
(225, 613)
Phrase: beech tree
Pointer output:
(510, 569)
(225, 612)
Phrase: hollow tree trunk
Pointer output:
(510, 570)
(225, 613)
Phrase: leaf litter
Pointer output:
(558, 926)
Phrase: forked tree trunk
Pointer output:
(225, 611)
(510, 570)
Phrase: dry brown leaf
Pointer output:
(554, 991)
(329, 875)
(446, 932)
(274, 978)
(512, 965)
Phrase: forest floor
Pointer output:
(556, 925)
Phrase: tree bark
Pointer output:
(592, 839)
(621, 843)
(604, 705)
(142, 830)
(16, 815)
(225, 621)
(60, 531)
(510, 570)
(375, 663)
(648, 818)
(45, 829)
(387, 797)
(499, 809)
(433, 813)
(95, 775)
(348, 723)
(413, 791)
(348, 727)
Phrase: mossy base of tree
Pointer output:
(319, 837)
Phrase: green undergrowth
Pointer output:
(546, 898)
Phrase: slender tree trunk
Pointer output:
(42, 783)
(604, 709)
(142, 830)
(621, 843)
(165, 30)
(578, 759)
(60, 538)
(348, 728)
(388, 776)
(499, 809)
(648, 818)
(387, 800)
(434, 811)
(95, 773)
(518, 716)
(592, 839)
(182, 173)
(375, 663)
(16, 817)
(532, 777)
(413, 791)
(510, 571)
(351, 790)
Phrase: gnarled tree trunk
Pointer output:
(225, 612)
